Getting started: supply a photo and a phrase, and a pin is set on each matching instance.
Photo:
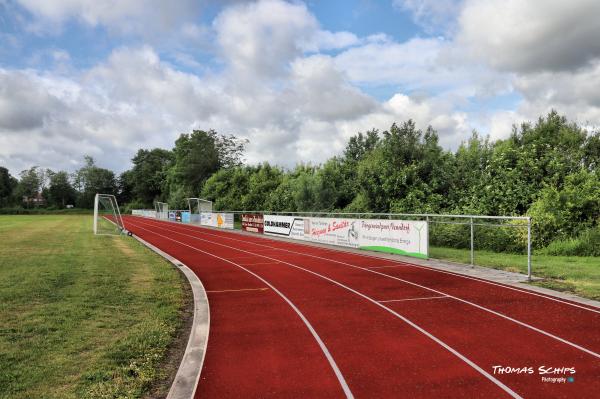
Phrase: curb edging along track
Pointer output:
(188, 374)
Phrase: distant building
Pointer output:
(37, 200)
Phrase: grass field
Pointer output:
(579, 275)
(82, 316)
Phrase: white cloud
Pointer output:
(533, 35)
(260, 39)
(435, 16)
(277, 88)
(148, 17)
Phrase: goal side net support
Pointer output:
(162, 210)
(198, 206)
(107, 216)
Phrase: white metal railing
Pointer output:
(430, 218)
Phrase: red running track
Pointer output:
(298, 321)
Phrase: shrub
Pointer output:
(586, 244)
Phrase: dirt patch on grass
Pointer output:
(126, 249)
(175, 352)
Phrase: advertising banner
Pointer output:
(284, 226)
(217, 219)
(402, 237)
(253, 222)
(393, 236)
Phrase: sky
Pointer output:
(295, 78)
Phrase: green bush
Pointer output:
(586, 244)
(493, 238)
(559, 214)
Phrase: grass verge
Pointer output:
(575, 274)
(82, 316)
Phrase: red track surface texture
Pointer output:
(297, 321)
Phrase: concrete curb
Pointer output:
(187, 377)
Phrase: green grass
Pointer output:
(579, 275)
(81, 316)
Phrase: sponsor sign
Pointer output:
(394, 236)
(217, 219)
(403, 237)
(253, 222)
(185, 216)
(286, 226)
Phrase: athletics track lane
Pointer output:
(399, 360)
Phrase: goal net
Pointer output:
(107, 216)
(198, 206)
(162, 210)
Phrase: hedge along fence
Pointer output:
(511, 238)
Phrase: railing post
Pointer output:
(428, 237)
(472, 245)
(529, 249)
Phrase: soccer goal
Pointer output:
(162, 210)
(107, 216)
(198, 206)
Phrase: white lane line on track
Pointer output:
(316, 336)
(239, 290)
(574, 345)
(409, 322)
(399, 263)
(412, 299)
(259, 263)
(382, 267)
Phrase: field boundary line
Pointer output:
(188, 374)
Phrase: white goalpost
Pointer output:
(162, 210)
(198, 206)
(107, 216)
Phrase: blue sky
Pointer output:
(296, 78)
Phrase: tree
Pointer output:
(30, 185)
(125, 184)
(7, 187)
(407, 171)
(200, 154)
(90, 180)
(149, 173)
(60, 191)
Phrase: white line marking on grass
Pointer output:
(412, 299)
(574, 345)
(409, 322)
(316, 336)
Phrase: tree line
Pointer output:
(547, 169)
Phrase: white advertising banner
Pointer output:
(393, 236)
(217, 219)
(284, 226)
